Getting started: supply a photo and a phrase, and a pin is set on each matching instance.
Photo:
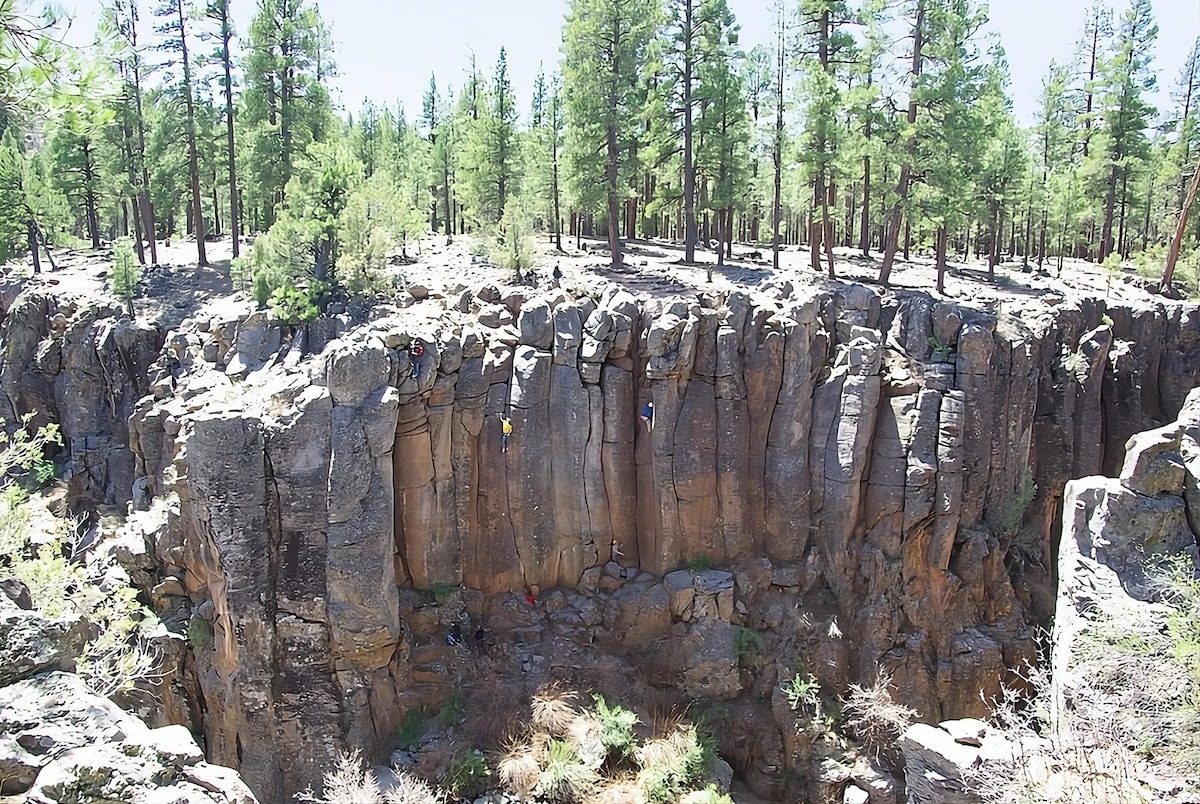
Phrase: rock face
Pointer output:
(83, 366)
(1114, 717)
(858, 456)
(59, 742)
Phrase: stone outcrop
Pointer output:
(866, 446)
(81, 365)
(1119, 536)
(856, 456)
(59, 742)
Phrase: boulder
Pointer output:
(30, 642)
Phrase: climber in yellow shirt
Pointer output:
(505, 432)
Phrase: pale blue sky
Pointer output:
(387, 50)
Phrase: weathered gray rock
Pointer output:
(31, 642)
(821, 428)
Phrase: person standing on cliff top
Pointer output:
(648, 415)
(417, 351)
(505, 432)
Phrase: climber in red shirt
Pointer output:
(417, 352)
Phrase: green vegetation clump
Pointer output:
(451, 711)
(748, 643)
(37, 549)
(199, 633)
(673, 763)
(468, 774)
(617, 728)
(126, 272)
(412, 727)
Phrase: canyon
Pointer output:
(857, 482)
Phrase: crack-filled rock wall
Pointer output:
(877, 449)
(82, 365)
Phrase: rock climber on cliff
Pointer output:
(417, 351)
(505, 432)
(648, 414)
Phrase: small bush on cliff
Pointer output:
(871, 715)
(451, 711)
(673, 763)
(748, 643)
(468, 774)
(37, 549)
(412, 727)
(564, 777)
(617, 724)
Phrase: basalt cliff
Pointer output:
(836, 480)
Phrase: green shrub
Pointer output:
(443, 592)
(412, 727)
(564, 777)
(199, 632)
(617, 725)
(467, 775)
(297, 305)
(748, 643)
(940, 350)
(700, 563)
(803, 692)
(673, 764)
(452, 708)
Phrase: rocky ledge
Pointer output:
(59, 742)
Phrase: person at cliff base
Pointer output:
(417, 351)
(648, 415)
(505, 432)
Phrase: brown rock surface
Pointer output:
(868, 444)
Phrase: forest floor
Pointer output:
(177, 288)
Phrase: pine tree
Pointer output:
(1127, 78)
(218, 12)
(173, 16)
(604, 44)
(829, 52)
(285, 106)
(79, 172)
(722, 125)
(493, 150)
(440, 131)
(125, 273)
(546, 128)
(122, 16)
(14, 221)
(1053, 143)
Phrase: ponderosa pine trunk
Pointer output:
(193, 156)
(226, 61)
(902, 187)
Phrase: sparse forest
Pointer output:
(882, 126)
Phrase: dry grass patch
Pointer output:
(554, 709)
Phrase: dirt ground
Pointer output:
(177, 288)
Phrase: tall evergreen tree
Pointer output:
(285, 104)
(218, 12)
(492, 164)
(604, 44)
(829, 52)
(1128, 78)
(173, 16)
